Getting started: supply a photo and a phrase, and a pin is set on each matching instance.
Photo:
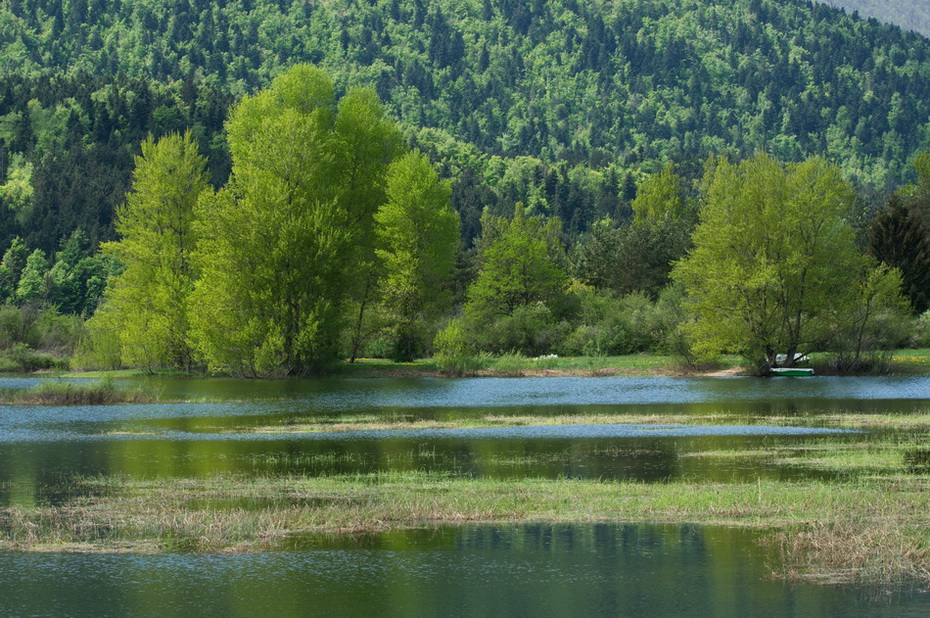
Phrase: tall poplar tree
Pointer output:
(417, 231)
(147, 304)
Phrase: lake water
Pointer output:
(520, 570)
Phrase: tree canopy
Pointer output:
(774, 261)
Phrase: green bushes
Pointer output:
(456, 350)
(588, 323)
(34, 338)
(921, 338)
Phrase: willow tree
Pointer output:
(146, 306)
(774, 261)
(285, 241)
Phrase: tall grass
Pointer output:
(61, 393)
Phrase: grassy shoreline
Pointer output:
(60, 393)
(903, 362)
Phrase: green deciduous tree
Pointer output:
(417, 233)
(281, 242)
(519, 265)
(773, 259)
(11, 268)
(147, 304)
(658, 197)
(33, 283)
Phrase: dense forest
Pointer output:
(562, 105)
(575, 121)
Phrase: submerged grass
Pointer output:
(315, 424)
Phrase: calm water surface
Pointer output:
(581, 570)
(570, 570)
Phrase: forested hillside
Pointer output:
(909, 14)
(561, 104)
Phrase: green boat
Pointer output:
(792, 371)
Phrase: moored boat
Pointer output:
(792, 371)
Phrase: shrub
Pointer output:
(531, 330)
(921, 337)
(456, 350)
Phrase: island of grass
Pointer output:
(64, 393)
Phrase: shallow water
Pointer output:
(523, 570)
(42, 447)
(531, 570)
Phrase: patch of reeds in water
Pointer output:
(62, 393)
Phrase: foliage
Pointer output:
(272, 295)
(561, 105)
(899, 237)
(519, 266)
(921, 337)
(880, 317)
(456, 350)
(34, 337)
(773, 259)
(658, 197)
(635, 257)
(610, 326)
(147, 304)
(417, 232)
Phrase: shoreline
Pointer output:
(901, 363)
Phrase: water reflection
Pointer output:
(580, 570)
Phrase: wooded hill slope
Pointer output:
(560, 104)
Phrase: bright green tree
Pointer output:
(147, 304)
(11, 268)
(773, 259)
(282, 241)
(365, 143)
(519, 265)
(658, 197)
(417, 233)
(33, 283)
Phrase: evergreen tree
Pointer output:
(899, 237)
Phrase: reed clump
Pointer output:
(63, 393)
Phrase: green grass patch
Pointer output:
(903, 362)
(61, 393)
(518, 365)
